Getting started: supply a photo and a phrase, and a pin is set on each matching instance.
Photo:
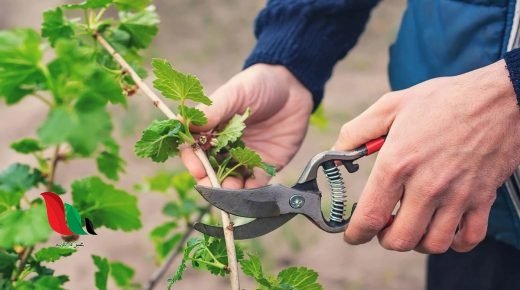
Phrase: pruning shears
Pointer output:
(274, 205)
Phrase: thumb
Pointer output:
(227, 101)
(371, 124)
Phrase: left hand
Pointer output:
(451, 142)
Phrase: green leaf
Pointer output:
(93, 4)
(52, 254)
(164, 239)
(58, 126)
(19, 178)
(7, 264)
(55, 26)
(104, 86)
(178, 274)
(101, 275)
(109, 162)
(246, 157)
(178, 209)
(74, 220)
(106, 205)
(142, 26)
(42, 283)
(319, 119)
(193, 116)
(160, 140)
(268, 168)
(233, 130)
(176, 85)
(20, 57)
(299, 278)
(26, 146)
(122, 274)
(84, 131)
(24, 227)
(252, 267)
(183, 183)
(132, 4)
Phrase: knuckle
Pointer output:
(399, 244)
(435, 247)
(372, 222)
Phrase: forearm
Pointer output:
(309, 37)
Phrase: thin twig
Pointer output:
(50, 181)
(159, 273)
(226, 222)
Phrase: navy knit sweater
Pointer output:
(310, 37)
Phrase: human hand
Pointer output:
(451, 142)
(280, 109)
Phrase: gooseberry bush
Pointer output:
(83, 61)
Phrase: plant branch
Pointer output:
(159, 273)
(50, 181)
(226, 222)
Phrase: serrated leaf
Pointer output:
(193, 116)
(19, 178)
(252, 267)
(20, 57)
(109, 162)
(299, 278)
(122, 274)
(160, 140)
(132, 4)
(106, 205)
(178, 274)
(246, 157)
(52, 254)
(24, 227)
(93, 4)
(101, 275)
(142, 26)
(55, 26)
(176, 85)
(233, 130)
(26, 146)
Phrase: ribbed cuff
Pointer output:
(308, 38)
(512, 60)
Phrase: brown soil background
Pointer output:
(211, 39)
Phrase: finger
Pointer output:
(205, 182)
(472, 231)
(233, 183)
(371, 124)
(259, 178)
(227, 101)
(441, 231)
(192, 163)
(415, 214)
(380, 196)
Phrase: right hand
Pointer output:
(280, 110)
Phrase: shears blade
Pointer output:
(262, 202)
(253, 229)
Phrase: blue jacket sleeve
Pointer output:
(512, 60)
(309, 37)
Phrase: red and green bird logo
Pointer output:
(64, 218)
